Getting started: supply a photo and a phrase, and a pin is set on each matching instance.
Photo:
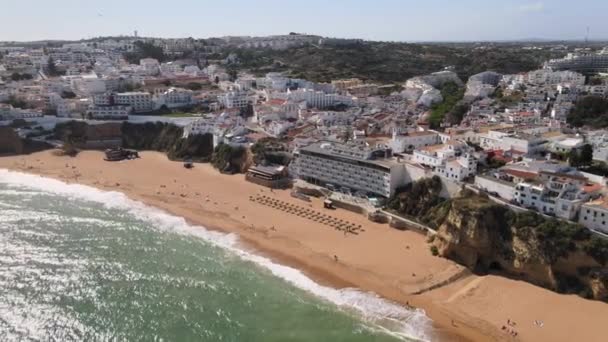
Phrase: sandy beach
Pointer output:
(394, 264)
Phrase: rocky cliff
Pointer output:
(487, 237)
(11, 143)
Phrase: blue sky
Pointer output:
(398, 20)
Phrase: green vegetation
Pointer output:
(591, 111)
(455, 116)
(555, 239)
(270, 151)
(388, 62)
(452, 95)
(167, 138)
(150, 136)
(228, 159)
(20, 77)
(51, 68)
(145, 50)
(419, 200)
(596, 168)
(16, 102)
(581, 157)
(484, 235)
(507, 100)
(194, 86)
(68, 94)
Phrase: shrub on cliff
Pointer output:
(197, 147)
(270, 151)
(164, 137)
(228, 159)
(418, 199)
(154, 136)
(480, 233)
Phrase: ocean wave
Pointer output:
(387, 316)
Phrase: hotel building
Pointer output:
(350, 167)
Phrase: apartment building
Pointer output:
(235, 99)
(594, 215)
(114, 112)
(556, 194)
(508, 140)
(453, 160)
(141, 102)
(546, 76)
(588, 63)
(150, 66)
(319, 99)
(351, 168)
(409, 141)
(174, 98)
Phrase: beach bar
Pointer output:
(273, 176)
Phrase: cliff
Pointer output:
(11, 143)
(487, 237)
(151, 136)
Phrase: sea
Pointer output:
(81, 264)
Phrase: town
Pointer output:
(530, 141)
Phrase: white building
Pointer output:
(115, 112)
(594, 215)
(559, 195)
(235, 99)
(150, 66)
(319, 99)
(170, 68)
(546, 76)
(412, 140)
(350, 168)
(174, 98)
(453, 160)
(141, 102)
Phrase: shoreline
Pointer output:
(304, 246)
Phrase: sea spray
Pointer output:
(387, 316)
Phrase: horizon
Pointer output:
(384, 20)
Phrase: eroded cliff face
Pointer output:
(10, 143)
(482, 236)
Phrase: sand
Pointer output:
(394, 264)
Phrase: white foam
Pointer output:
(387, 316)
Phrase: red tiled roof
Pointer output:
(520, 174)
(592, 187)
(276, 102)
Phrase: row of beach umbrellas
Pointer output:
(338, 224)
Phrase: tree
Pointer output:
(19, 77)
(586, 155)
(581, 157)
(247, 111)
(68, 94)
(143, 50)
(194, 86)
(52, 67)
(589, 111)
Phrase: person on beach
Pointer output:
(335, 258)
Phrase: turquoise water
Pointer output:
(81, 264)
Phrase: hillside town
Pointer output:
(508, 136)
